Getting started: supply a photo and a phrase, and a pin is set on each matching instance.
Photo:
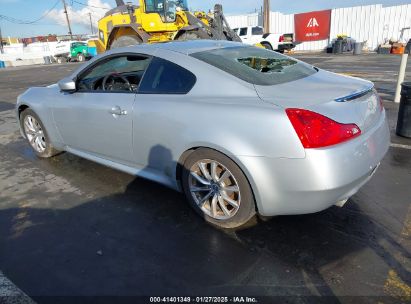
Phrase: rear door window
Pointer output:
(256, 65)
(165, 77)
(257, 30)
(243, 31)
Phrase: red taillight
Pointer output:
(379, 99)
(281, 38)
(316, 130)
(381, 104)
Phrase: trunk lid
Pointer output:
(341, 98)
(288, 37)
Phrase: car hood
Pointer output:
(318, 88)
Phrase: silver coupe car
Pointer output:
(238, 129)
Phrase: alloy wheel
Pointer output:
(214, 189)
(34, 133)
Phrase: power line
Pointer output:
(1, 42)
(20, 21)
(87, 5)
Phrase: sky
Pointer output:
(55, 23)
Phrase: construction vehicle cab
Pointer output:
(166, 8)
(155, 21)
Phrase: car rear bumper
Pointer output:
(323, 178)
(286, 46)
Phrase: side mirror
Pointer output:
(67, 85)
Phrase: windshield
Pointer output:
(162, 6)
(256, 65)
(78, 44)
(166, 8)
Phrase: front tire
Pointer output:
(36, 134)
(189, 35)
(81, 57)
(217, 189)
(126, 40)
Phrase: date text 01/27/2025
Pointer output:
(203, 300)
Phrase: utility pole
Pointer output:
(91, 24)
(1, 42)
(68, 20)
(266, 16)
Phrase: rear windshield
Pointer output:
(256, 65)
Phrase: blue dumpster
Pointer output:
(2, 64)
(92, 51)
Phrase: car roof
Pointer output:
(192, 46)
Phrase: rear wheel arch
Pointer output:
(244, 215)
(267, 45)
(184, 156)
(180, 164)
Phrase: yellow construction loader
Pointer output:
(155, 21)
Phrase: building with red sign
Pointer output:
(312, 26)
(314, 31)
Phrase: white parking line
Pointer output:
(10, 293)
(408, 147)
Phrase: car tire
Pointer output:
(189, 35)
(126, 40)
(232, 209)
(33, 128)
(81, 57)
(267, 46)
(61, 60)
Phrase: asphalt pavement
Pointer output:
(70, 227)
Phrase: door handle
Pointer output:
(117, 111)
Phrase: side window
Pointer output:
(165, 77)
(243, 31)
(257, 30)
(118, 74)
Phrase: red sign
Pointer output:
(312, 26)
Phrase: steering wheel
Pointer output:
(109, 86)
